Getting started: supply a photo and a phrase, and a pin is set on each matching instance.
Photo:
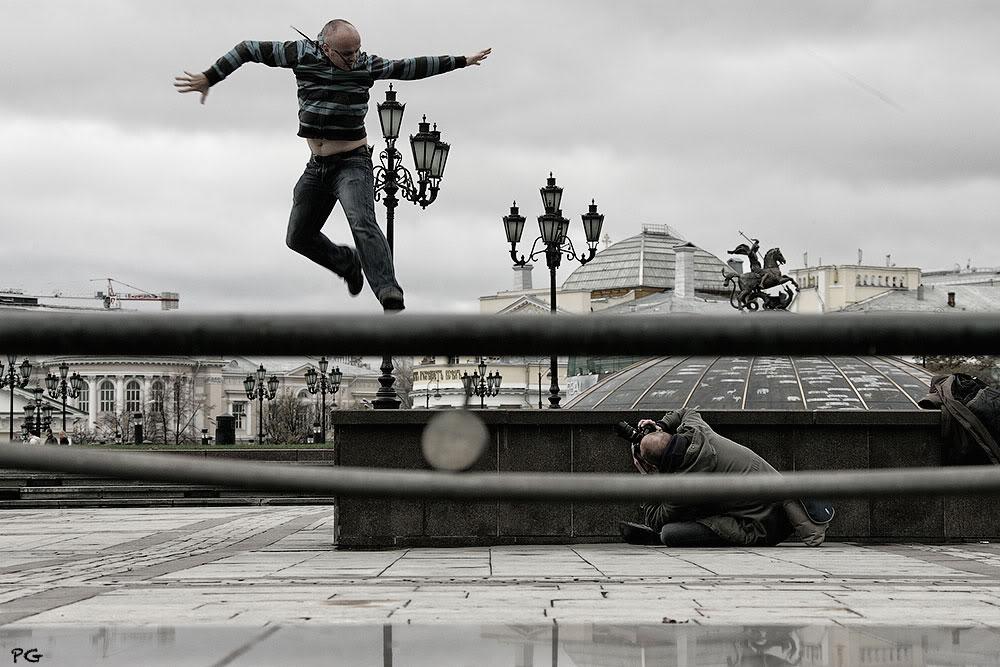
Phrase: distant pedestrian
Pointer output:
(34, 440)
(50, 438)
(63, 438)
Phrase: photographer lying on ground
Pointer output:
(682, 442)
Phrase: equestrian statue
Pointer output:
(747, 289)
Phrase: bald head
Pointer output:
(652, 446)
(341, 43)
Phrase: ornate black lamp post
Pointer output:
(137, 428)
(481, 384)
(59, 386)
(553, 228)
(13, 379)
(323, 384)
(427, 394)
(256, 389)
(430, 155)
(37, 413)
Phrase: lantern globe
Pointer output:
(551, 195)
(423, 144)
(514, 225)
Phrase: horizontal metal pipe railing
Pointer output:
(279, 334)
(565, 487)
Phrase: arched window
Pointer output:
(133, 397)
(857, 280)
(156, 397)
(880, 281)
(83, 400)
(894, 281)
(866, 281)
(107, 397)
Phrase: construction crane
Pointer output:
(113, 299)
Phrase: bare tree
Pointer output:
(289, 419)
(403, 372)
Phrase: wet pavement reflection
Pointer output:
(403, 645)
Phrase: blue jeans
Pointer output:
(690, 534)
(347, 178)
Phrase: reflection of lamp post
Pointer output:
(37, 413)
(321, 383)
(480, 384)
(58, 386)
(256, 389)
(553, 228)
(427, 394)
(14, 379)
(430, 155)
(137, 426)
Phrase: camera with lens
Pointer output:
(628, 432)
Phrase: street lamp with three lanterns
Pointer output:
(553, 228)
(59, 385)
(37, 414)
(430, 155)
(323, 383)
(481, 384)
(256, 388)
(14, 379)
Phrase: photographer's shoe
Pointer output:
(637, 533)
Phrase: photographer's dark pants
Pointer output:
(690, 534)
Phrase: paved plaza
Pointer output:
(260, 566)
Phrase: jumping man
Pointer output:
(334, 77)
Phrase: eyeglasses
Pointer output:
(345, 55)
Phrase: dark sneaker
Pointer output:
(392, 300)
(637, 533)
(355, 279)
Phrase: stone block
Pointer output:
(903, 447)
(601, 519)
(830, 448)
(916, 517)
(538, 448)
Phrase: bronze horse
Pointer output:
(751, 284)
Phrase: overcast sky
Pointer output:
(817, 127)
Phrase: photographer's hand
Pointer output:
(649, 422)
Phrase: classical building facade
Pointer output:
(183, 394)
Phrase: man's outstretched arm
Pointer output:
(272, 54)
(424, 66)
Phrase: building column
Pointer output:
(92, 417)
(120, 394)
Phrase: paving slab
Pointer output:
(266, 566)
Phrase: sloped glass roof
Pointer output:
(760, 383)
(646, 260)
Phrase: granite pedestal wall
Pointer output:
(568, 441)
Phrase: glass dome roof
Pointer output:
(760, 383)
(646, 260)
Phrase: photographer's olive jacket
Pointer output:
(741, 523)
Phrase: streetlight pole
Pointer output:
(14, 379)
(430, 155)
(37, 413)
(59, 386)
(256, 388)
(553, 228)
(427, 394)
(322, 383)
(481, 384)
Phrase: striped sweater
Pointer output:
(332, 103)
